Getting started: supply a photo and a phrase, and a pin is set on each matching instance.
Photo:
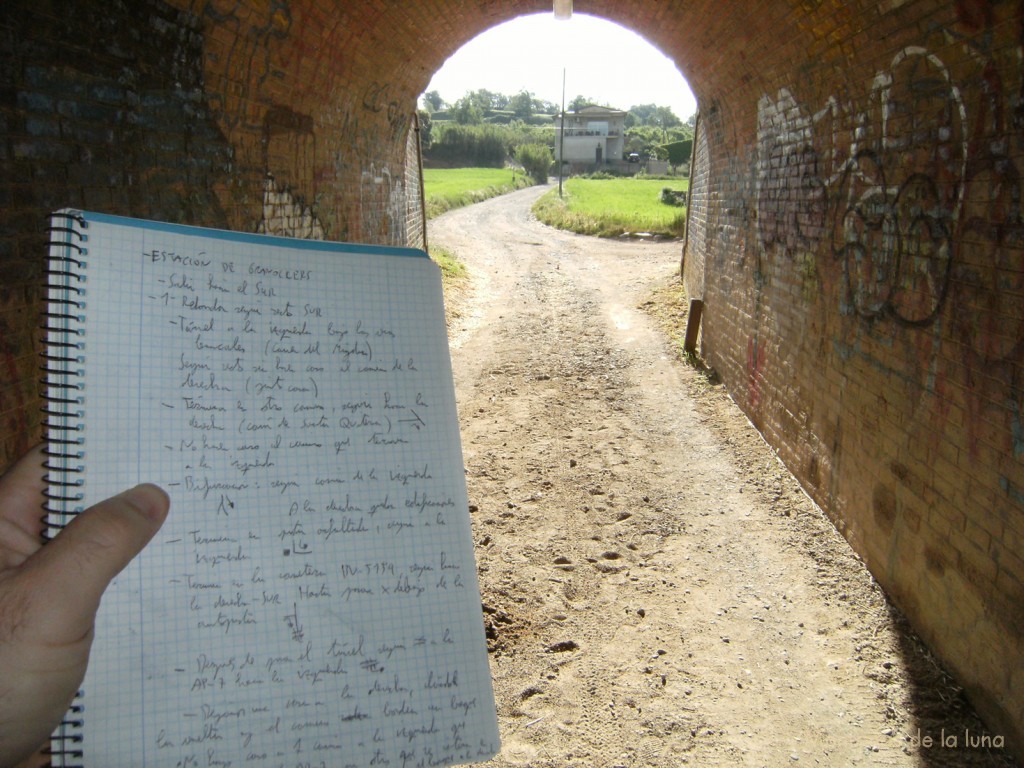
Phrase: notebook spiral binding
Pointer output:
(64, 396)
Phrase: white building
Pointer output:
(592, 136)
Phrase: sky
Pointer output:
(602, 61)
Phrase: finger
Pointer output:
(75, 567)
(16, 544)
(21, 490)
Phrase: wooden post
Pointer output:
(693, 326)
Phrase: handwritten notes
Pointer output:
(312, 599)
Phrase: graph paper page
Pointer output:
(312, 598)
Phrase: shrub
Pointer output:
(678, 152)
(536, 161)
(673, 197)
(487, 145)
(481, 146)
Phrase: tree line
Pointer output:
(486, 129)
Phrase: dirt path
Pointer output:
(658, 591)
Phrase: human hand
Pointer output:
(49, 596)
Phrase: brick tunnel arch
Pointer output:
(322, 101)
(856, 230)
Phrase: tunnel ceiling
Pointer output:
(309, 47)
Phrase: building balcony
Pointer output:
(610, 134)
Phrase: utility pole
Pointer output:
(561, 138)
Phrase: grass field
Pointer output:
(448, 188)
(611, 207)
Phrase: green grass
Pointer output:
(454, 280)
(611, 207)
(451, 268)
(448, 188)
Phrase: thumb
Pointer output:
(48, 608)
(78, 564)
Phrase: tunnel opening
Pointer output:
(584, 62)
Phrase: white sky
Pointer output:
(602, 61)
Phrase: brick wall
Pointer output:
(864, 295)
(697, 234)
(249, 116)
(101, 109)
(415, 214)
(856, 212)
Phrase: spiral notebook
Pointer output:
(312, 598)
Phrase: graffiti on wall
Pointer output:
(247, 61)
(899, 203)
(329, 163)
(382, 200)
(879, 190)
(382, 194)
(377, 99)
(285, 216)
(289, 151)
